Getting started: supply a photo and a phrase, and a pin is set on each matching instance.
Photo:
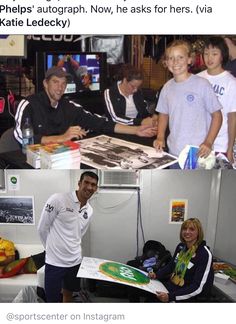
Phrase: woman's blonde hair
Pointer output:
(195, 222)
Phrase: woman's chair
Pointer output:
(8, 141)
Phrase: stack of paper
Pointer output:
(33, 155)
(60, 156)
(54, 156)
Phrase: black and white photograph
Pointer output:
(17, 210)
(104, 152)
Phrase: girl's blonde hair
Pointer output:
(195, 222)
(179, 43)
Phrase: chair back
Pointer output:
(8, 141)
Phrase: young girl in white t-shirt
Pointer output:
(216, 55)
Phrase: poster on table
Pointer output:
(17, 210)
(104, 152)
(112, 271)
(178, 211)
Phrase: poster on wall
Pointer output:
(13, 45)
(178, 211)
(105, 152)
(17, 210)
(112, 271)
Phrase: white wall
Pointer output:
(113, 229)
(225, 241)
(193, 186)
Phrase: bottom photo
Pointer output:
(92, 236)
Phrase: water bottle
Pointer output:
(27, 134)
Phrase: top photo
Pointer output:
(120, 102)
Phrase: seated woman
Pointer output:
(190, 273)
(124, 101)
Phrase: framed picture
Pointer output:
(178, 210)
(17, 210)
(13, 45)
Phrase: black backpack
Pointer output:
(153, 258)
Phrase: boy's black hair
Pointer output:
(218, 42)
(89, 174)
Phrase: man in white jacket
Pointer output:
(64, 221)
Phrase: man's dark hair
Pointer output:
(218, 42)
(130, 73)
(89, 174)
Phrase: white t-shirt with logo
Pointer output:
(61, 227)
(224, 86)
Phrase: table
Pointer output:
(228, 289)
(17, 160)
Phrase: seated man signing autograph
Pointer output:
(57, 119)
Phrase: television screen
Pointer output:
(87, 70)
